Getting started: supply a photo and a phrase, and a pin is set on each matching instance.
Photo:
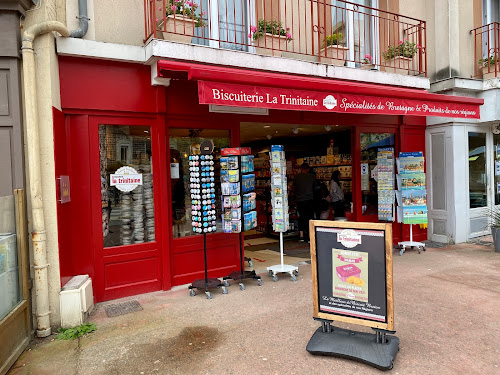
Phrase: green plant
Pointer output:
(404, 49)
(75, 332)
(334, 39)
(491, 60)
(187, 9)
(494, 215)
(269, 27)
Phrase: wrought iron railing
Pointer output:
(487, 50)
(336, 32)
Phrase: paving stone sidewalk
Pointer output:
(447, 316)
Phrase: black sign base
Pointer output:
(358, 346)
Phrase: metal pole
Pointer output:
(281, 248)
(205, 254)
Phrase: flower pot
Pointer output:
(334, 55)
(495, 233)
(270, 45)
(398, 65)
(179, 29)
(490, 73)
(367, 66)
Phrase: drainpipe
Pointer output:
(84, 20)
(33, 143)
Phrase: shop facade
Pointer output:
(116, 118)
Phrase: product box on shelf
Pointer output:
(247, 164)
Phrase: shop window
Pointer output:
(370, 144)
(182, 143)
(477, 170)
(127, 208)
(496, 150)
(10, 294)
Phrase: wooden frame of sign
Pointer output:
(341, 273)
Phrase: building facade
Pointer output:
(126, 92)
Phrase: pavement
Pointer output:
(447, 316)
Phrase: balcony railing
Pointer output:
(487, 50)
(335, 32)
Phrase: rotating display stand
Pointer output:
(203, 210)
(279, 200)
(411, 196)
(239, 203)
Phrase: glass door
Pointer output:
(478, 182)
(226, 24)
(370, 143)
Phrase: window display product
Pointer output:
(202, 189)
(279, 186)
(237, 187)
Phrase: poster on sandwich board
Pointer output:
(352, 272)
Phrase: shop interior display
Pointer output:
(411, 195)
(239, 202)
(203, 211)
(279, 200)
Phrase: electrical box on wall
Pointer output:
(76, 301)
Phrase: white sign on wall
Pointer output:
(125, 179)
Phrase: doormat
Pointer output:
(122, 308)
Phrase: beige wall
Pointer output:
(48, 95)
(119, 21)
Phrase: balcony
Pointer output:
(334, 32)
(487, 51)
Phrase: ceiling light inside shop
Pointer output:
(328, 128)
(269, 136)
(295, 130)
(267, 126)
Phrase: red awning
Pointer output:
(250, 88)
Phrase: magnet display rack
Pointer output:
(203, 209)
(239, 203)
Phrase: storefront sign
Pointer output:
(319, 101)
(125, 179)
(352, 284)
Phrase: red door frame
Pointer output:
(356, 158)
(218, 122)
(103, 256)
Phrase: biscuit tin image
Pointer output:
(347, 270)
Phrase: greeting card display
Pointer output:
(237, 186)
(202, 189)
(385, 186)
(279, 189)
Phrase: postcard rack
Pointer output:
(238, 204)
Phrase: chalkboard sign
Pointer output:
(352, 272)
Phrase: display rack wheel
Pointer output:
(224, 290)
(250, 264)
(424, 248)
(269, 273)
(192, 292)
(209, 295)
(296, 272)
(242, 286)
(401, 251)
(259, 282)
(275, 278)
(294, 278)
(226, 283)
(418, 247)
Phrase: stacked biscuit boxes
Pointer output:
(279, 190)
(238, 193)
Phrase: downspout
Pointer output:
(84, 20)
(33, 143)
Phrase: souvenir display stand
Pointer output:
(279, 200)
(203, 209)
(411, 195)
(238, 203)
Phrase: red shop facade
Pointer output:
(106, 104)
